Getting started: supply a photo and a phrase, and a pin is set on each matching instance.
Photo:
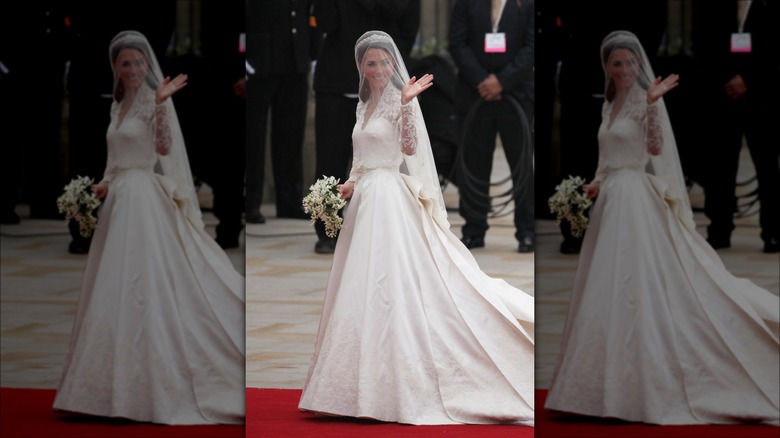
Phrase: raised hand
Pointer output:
(660, 87)
(169, 86)
(414, 87)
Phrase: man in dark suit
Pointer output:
(222, 134)
(493, 48)
(31, 84)
(739, 88)
(279, 53)
(342, 22)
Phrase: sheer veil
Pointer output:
(175, 165)
(420, 165)
(665, 166)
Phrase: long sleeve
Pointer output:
(110, 171)
(653, 131)
(468, 64)
(408, 129)
(162, 130)
(357, 169)
(601, 170)
(521, 68)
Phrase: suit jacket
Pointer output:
(342, 22)
(760, 69)
(278, 36)
(514, 68)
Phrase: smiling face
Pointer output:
(622, 68)
(131, 67)
(378, 68)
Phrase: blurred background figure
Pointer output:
(737, 84)
(31, 85)
(492, 44)
(341, 23)
(280, 50)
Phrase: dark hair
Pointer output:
(607, 50)
(119, 92)
(365, 91)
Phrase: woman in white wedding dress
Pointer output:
(658, 331)
(412, 331)
(159, 332)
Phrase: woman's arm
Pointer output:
(408, 123)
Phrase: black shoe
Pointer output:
(771, 246)
(571, 246)
(326, 245)
(227, 243)
(255, 218)
(78, 247)
(471, 242)
(526, 245)
(719, 242)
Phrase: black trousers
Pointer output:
(495, 118)
(333, 125)
(285, 97)
(728, 122)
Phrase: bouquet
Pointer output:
(78, 203)
(569, 202)
(324, 202)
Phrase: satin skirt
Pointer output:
(412, 331)
(658, 331)
(159, 330)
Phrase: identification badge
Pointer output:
(242, 43)
(495, 42)
(741, 43)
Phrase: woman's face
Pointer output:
(377, 68)
(622, 68)
(131, 66)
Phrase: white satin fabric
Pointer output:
(412, 331)
(159, 332)
(658, 330)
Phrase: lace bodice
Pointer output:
(629, 139)
(135, 141)
(382, 140)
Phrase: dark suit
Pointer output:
(471, 20)
(223, 131)
(31, 101)
(726, 120)
(278, 40)
(342, 22)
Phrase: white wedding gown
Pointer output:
(412, 331)
(658, 330)
(159, 332)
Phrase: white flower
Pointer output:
(78, 203)
(324, 202)
(569, 202)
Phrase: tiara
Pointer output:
(375, 38)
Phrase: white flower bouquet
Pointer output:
(78, 203)
(324, 202)
(569, 203)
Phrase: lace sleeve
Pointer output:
(408, 129)
(357, 170)
(162, 130)
(654, 133)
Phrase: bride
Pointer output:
(412, 331)
(158, 334)
(658, 330)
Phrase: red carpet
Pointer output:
(557, 425)
(275, 413)
(27, 413)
